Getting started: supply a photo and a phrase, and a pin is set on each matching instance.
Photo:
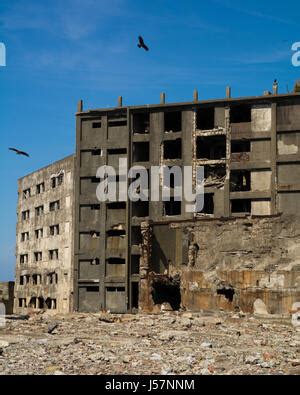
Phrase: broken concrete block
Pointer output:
(259, 307)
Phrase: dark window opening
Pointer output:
(134, 295)
(48, 303)
(167, 290)
(117, 123)
(241, 206)
(33, 303)
(227, 292)
(97, 152)
(135, 264)
(117, 151)
(205, 118)
(95, 261)
(211, 147)
(116, 261)
(208, 207)
(173, 121)
(172, 207)
(140, 209)
(96, 125)
(41, 303)
(136, 235)
(140, 152)
(240, 180)
(116, 206)
(240, 113)
(115, 232)
(95, 180)
(172, 149)
(21, 280)
(141, 123)
(238, 146)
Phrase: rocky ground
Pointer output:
(165, 343)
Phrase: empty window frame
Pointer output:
(135, 264)
(38, 256)
(173, 121)
(208, 203)
(140, 209)
(54, 230)
(240, 180)
(172, 149)
(140, 152)
(238, 146)
(57, 180)
(211, 147)
(26, 193)
(241, 206)
(53, 206)
(117, 122)
(172, 207)
(141, 123)
(96, 124)
(24, 236)
(116, 206)
(53, 254)
(40, 188)
(39, 233)
(39, 211)
(205, 118)
(24, 258)
(240, 113)
(214, 175)
(136, 235)
(117, 151)
(25, 215)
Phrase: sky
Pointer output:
(60, 51)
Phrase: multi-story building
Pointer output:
(242, 245)
(7, 297)
(44, 249)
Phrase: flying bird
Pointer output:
(141, 44)
(18, 152)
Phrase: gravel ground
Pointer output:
(166, 343)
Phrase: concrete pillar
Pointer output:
(228, 92)
(80, 106)
(162, 98)
(195, 95)
(275, 87)
(120, 101)
(145, 299)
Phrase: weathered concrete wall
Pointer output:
(48, 281)
(254, 257)
(7, 296)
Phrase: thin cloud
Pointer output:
(254, 13)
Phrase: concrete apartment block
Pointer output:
(44, 248)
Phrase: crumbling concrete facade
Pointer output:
(7, 296)
(44, 249)
(249, 150)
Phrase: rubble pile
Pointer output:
(165, 343)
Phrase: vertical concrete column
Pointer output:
(162, 98)
(228, 154)
(120, 101)
(273, 159)
(145, 299)
(195, 95)
(228, 92)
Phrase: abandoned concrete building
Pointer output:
(245, 244)
(44, 256)
(7, 296)
(129, 256)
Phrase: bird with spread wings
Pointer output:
(141, 44)
(18, 152)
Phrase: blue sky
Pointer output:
(60, 51)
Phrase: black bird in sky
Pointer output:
(18, 152)
(141, 44)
